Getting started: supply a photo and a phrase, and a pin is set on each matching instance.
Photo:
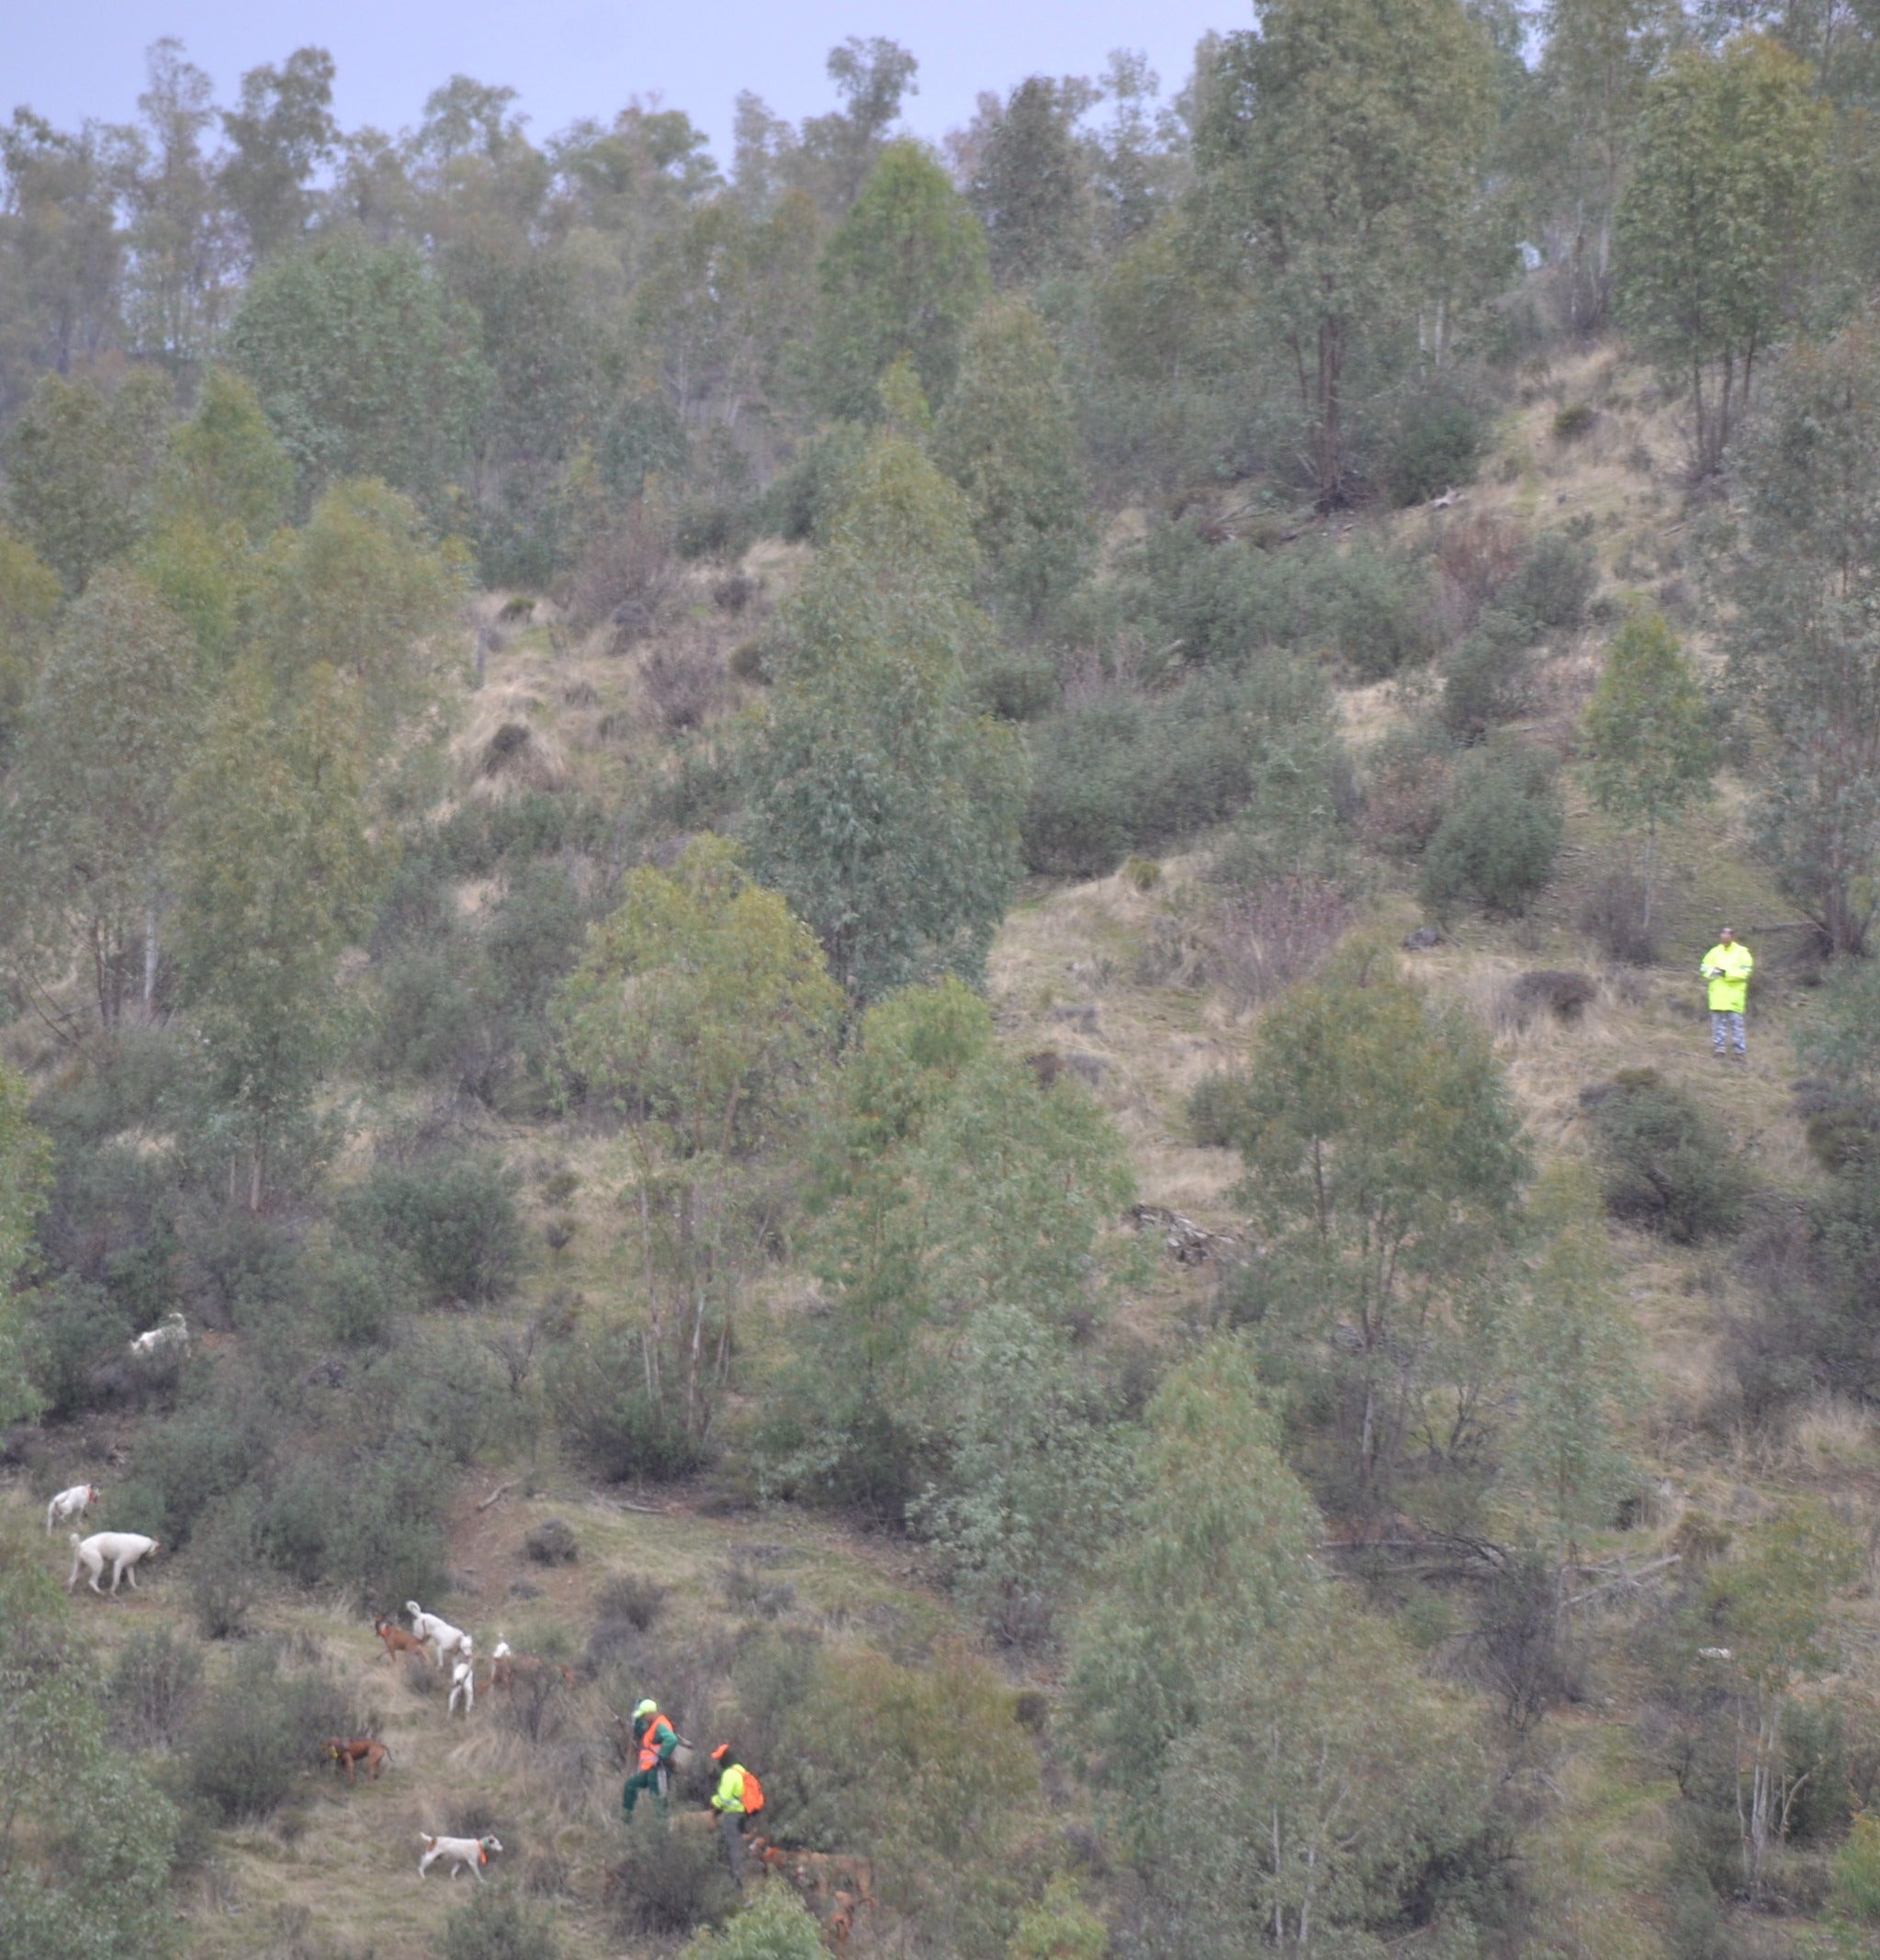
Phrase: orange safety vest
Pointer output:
(649, 1742)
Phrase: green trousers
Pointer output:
(653, 1780)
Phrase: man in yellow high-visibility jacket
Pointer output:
(732, 1801)
(1728, 967)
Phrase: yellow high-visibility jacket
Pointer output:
(730, 1795)
(1728, 968)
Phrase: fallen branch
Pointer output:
(500, 1490)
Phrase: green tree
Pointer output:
(1803, 642)
(704, 1007)
(25, 1163)
(178, 275)
(61, 253)
(226, 465)
(1777, 1605)
(276, 873)
(950, 1183)
(1340, 151)
(1715, 229)
(83, 468)
(1596, 64)
(362, 589)
(1007, 437)
(1383, 1159)
(1574, 1365)
(108, 733)
(1032, 186)
(86, 1844)
(903, 274)
(1647, 727)
(282, 133)
(29, 595)
(884, 807)
(836, 152)
(363, 365)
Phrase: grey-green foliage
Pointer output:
(86, 1843)
(1032, 188)
(1265, 1751)
(109, 729)
(884, 807)
(1496, 844)
(1135, 772)
(83, 468)
(952, 1184)
(775, 1926)
(500, 1923)
(363, 365)
(1383, 1159)
(1005, 436)
(1037, 1480)
(903, 274)
(1803, 640)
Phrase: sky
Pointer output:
(74, 59)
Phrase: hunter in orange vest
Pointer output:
(655, 1738)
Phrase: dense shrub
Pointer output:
(225, 1572)
(209, 1448)
(1217, 1109)
(254, 1741)
(154, 1686)
(776, 1925)
(72, 1328)
(453, 1218)
(1667, 1164)
(1435, 444)
(1129, 774)
(1406, 788)
(1555, 584)
(670, 1880)
(1489, 679)
(803, 500)
(499, 1925)
(1377, 610)
(1496, 845)
(597, 1390)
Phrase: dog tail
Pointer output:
(76, 1540)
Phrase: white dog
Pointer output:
(123, 1548)
(72, 1503)
(463, 1680)
(172, 1331)
(460, 1852)
(432, 1626)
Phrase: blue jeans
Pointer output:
(1724, 1024)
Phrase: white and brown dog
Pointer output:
(70, 1504)
(459, 1852)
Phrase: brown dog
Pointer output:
(397, 1641)
(357, 1748)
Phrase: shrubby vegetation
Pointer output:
(533, 675)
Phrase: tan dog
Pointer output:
(397, 1641)
(507, 1667)
(365, 1749)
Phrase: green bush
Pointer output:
(776, 1925)
(225, 1572)
(1668, 1165)
(1376, 609)
(209, 1449)
(597, 1394)
(803, 500)
(1489, 676)
(1217, 1109)
(499, 1925)
(670, 1880)
(1857, 1872)
(154, 1688)
(1131, 773)
(1496, 845)
(453, 1218)
(254, 1740)
(357, 1295)
(1434, 444)
(1555, 584)
(73, 1329)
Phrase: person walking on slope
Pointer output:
(656, 1739)
(1728, 967)
(737, 1796)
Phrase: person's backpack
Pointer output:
(753, 1794)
